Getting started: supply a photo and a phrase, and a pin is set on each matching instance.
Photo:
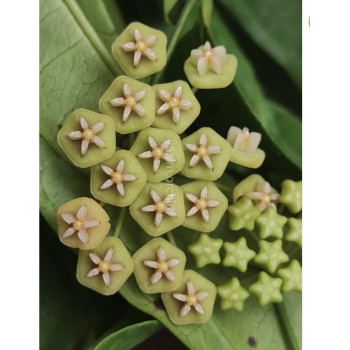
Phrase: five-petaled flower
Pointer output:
(263, 197)
(162, 266)
(208, 59)
(117, 177)
(243, 140)
(202, 152)
(201, 204)
(104, 266)
(160, 206)
(191, 299)
(175, 103)
(87, 135)
(79, 224)
(158, 153)
(130, 102)
(141, 47)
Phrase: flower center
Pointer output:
(160, 207)
(130, 102)
(88, 134)
(163, 266)
(191, 299)
(202, 151)
(266, 198)
(78, 224)
(117, 177)
(209, 54)
(157, 153)
(140, 46)
(174, 102)
(104, 266)
(201, 203)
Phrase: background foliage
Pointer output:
(76, 67)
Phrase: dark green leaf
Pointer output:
(275, 25)
(128, 337)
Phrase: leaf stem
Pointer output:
(287, 328)
(95, 40)
(171, 238)
(120, 222)
(176, 35)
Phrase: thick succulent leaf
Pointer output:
(105, 17)
(75, 71)
(275, 25)
(128, 337)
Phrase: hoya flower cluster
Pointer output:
(137, 177)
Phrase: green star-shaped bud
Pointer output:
(238, 254)
(294, 233)
(232, 295)
(271, 255)
(242, 214)
(291, 195)
(270, 224)
(292, 277)
(267, 289)
(206, 250)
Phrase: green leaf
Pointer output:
(275, 121)
(168, 6)
(128, 337)
(75, 70)
(105, 17)
(207, 8)
(275, 25)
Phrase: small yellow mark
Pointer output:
(309, 21)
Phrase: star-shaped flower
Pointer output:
(201, 204)
(160, 206)
(162, 266)
(243, 140)
(191, 299)
(263, 197)
(202, 152)
(292, 277)
(232, 295)
(141, 47)
(104, 266)
(208, 58)
(267, 289)
(175, 103)
(270, 224)
(130, 102)
(271, 255)
(87, 135)
(117, 177)
(238, 254)
(206, 250)
(79, 224)
(291, 195)
(243, 214)
(294, 233)
(157, 153)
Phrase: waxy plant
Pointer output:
(165, 176)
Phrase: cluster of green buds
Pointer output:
(155, 117)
